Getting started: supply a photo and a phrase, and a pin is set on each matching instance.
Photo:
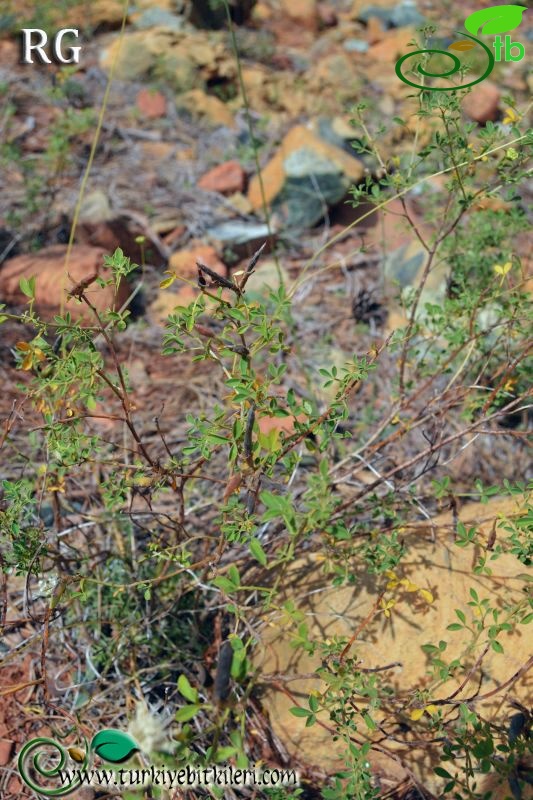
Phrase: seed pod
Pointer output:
(217, 279)
(248, 444)
(221, 688)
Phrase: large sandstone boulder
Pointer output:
(53, 283)
(306, 175)
(437, 565)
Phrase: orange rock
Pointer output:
(53, 283)
(207, 107)
(261, 12)
(280, 424)
(158, 150)
(289, 36)
(302, 12)
(491, 204)
(98, 12)
(6, 751)
(167, 300)
(183, 263)
(151, 104)
(445, 571)
(273, 175)
(226, 178)
(393, 44)
(374, 30)
(482, 103)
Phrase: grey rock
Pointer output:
(236, 231)
(383, 14)
(266, 277)
(403, 267)
(311, 186)
(328, 134)
(356, 45)
(404, 13)
(305, 161)
(159, 17)
(96, 208)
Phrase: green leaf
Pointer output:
(496, 646)
(369, 722)
(27, 286)
(223, 583)
(114, 746)
(186, 713)
(257, 551)
(300, 712)
(233, 575)
(483, 748)
(442, 773)
(495, 19)
(455, 626)
(185, 688)
(313, 703)
(224, 753)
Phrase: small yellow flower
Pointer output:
(142, 480)
(418, 713)
(168, 281)
(502, 270)
(509, 386)
(393, 579)
(32, 355)
(59, 486)
(386, 605)
(511, 154)
(426, 594)
(510, 116)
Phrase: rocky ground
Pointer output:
(175, 160)
(174, 179)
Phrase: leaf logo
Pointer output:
(462, 45)
(495, 19)
(114, 746)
